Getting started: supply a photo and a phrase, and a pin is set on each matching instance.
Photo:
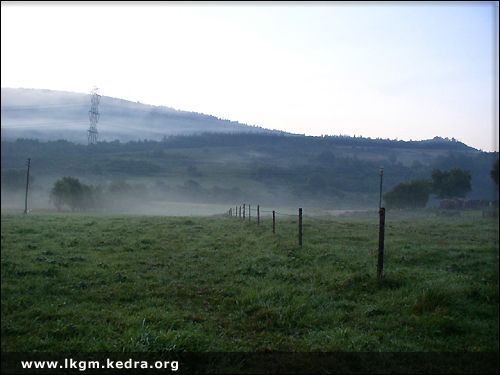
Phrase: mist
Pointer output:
(210, 173)
(172, 197)
(52, 115)
(161, 161)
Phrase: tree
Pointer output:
(455, 183)
(71, 192)
(408, 195)
(494, 172)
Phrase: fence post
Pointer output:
(240, 212)
(258, 215)
(274, 222)
(28, 163)
(381, 178)
(300, 227)
(243, 210)
(380, 263)
(249, 213)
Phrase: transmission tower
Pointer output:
(93, 116)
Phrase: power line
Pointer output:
(39, 106)
(52, 124)
(61, 105)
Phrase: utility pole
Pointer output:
(28, 163)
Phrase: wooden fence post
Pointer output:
(274, 222)
(240, 212)
(258, 214)
(381, 232)
(249, 213)
(28, 163)
(300, 227)
(243, 210)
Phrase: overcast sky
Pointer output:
(406, 71)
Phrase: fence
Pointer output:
(240, 212)
(380, 258)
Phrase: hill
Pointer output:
(52, 115)
(328, 172)
(149, 153)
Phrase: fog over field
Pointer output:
(160, 161)
(211, 173)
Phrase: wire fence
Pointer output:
(245, 211)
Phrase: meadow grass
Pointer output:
(140, 283)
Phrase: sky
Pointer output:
(380, 70)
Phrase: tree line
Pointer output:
(455, 183)
(307, 168)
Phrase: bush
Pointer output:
(71, 192)
(408, 195)
(494, 172)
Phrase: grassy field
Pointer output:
(137, 283)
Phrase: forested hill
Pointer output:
(53, 115)
(336, 171)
